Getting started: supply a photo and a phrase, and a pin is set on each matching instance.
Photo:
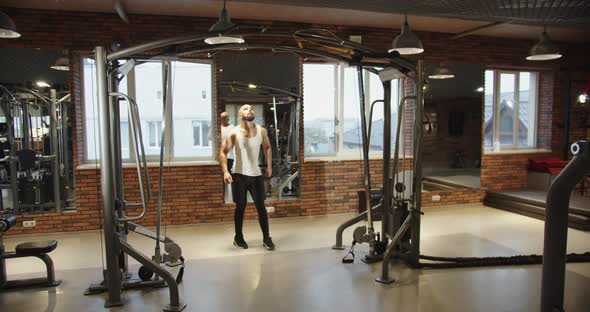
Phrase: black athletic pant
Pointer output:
(240, 187)
(230, 164)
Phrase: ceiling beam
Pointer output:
(478, 28)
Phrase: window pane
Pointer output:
(155, 134)
(376, 93)
(205, 139)
(148, 94)
(90, 109)
(527, 111)
(319, 94)
(91, 113)
(352, 135)
(123, 116)
(506, 108)
(125, 139)
(191, 94)
(196, 133)
(489, 109)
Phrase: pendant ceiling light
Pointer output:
(224, 23)
(62, 63)
(441, 72)
(7, 27)
(407, 42)
(544, 49)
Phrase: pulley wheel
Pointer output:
(145, 273)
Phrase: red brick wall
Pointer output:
(546, 108)
(506, 171)
(195, 191)
(453, 197)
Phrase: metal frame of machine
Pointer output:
(331, 47)
(58, 156)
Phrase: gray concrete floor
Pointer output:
(304, 274)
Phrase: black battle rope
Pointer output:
(461, 262)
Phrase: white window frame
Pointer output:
(200, 122)
(168, 119)
(496, 145)
(337, 97)
(340, 152)
(158, 137)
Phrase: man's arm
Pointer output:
(226, 147)
(267, 152)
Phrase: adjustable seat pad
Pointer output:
(35, 248)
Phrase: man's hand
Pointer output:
(268, 172)
(227, 178)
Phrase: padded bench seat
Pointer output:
(36, 248)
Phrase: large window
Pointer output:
(190, 96)
(332, 110)
(320, 96)
(510, 110)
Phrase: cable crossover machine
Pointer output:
(110, 69)
(399, 204)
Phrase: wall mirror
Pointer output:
(270, 83)
(453, 126)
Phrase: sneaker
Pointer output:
(240, 243)
(268, 244)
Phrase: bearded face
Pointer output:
(247, 113)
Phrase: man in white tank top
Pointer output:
(246, 175)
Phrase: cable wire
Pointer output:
(98, 192)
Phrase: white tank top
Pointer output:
(224, 132)
(246, 153)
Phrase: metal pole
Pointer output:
(107, 183)
(556, 218)
(55, 151)
(165, 106)
(365, 139)
(65, 159)
(417, 188)
(115, 126)
(566, 119)
(115, 121)
(26, 125)
(387, 191)
(12, 160)
(384, 277)
(274, 109)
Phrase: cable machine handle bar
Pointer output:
(371, 119)
(140, 159)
